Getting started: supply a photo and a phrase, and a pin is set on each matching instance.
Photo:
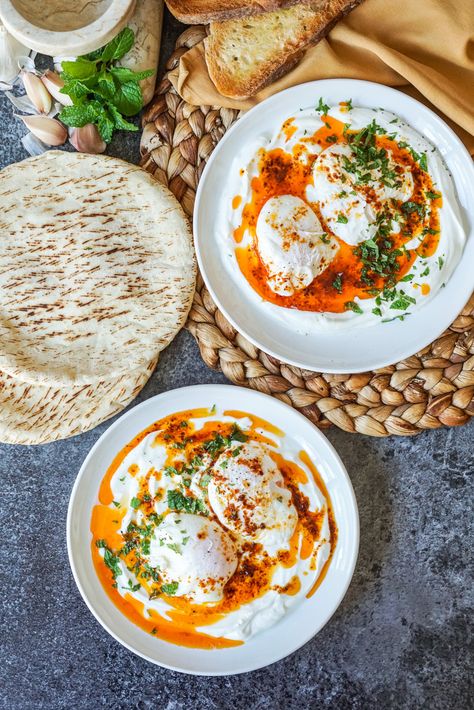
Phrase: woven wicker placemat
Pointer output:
(433, 388)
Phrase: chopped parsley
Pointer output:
(135, 503)
(402, 301)
(112, 562)
(342, 218)
(337, 283)
(353, 306)
(132, 587)
(205, 480)
(170, 589)
(423, 162)
(322, 107)
(177, 501)
(219, 442)
(410, 206)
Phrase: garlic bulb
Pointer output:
(10, 52)
(54, 84)
(48, 130)
(36, 92)
(87, 139)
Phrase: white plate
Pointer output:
(343, 351)
(302, 621)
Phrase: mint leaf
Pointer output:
(75, 89)
(105, 126)
(106, 84)
(80, 69)
(120, 45)
(93, 56)
(119, 122)
(128, 98)
(78, 116)
(123, 74)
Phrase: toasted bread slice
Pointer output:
(196, 12)
(245, 55)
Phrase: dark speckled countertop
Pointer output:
(402, 638)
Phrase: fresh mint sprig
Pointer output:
(101, 92)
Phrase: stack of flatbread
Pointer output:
(97, 275)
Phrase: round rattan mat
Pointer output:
(433, 388)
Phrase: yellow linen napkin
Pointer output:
(423, 47)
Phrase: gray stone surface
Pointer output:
(402, 638)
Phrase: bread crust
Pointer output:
(197, 12)
(230, 84)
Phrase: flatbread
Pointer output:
(37, 414)
(97, 269)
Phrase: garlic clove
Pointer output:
(36, 92)
(54, 84)
(87, 139)
(48, 130)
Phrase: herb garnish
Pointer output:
(322, 107)
(170, 589)
(177, 501)
(353, 306)
(102, 92)
(337, 283)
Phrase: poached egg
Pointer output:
(292, 244)
(348, 206)
(248, 495)
(195, 553)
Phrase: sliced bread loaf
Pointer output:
(245, 55)
(196, 12)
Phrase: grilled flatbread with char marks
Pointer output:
(97, 269)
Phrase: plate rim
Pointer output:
(351, 501)
(375, 364)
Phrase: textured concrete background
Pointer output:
(402, 638)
